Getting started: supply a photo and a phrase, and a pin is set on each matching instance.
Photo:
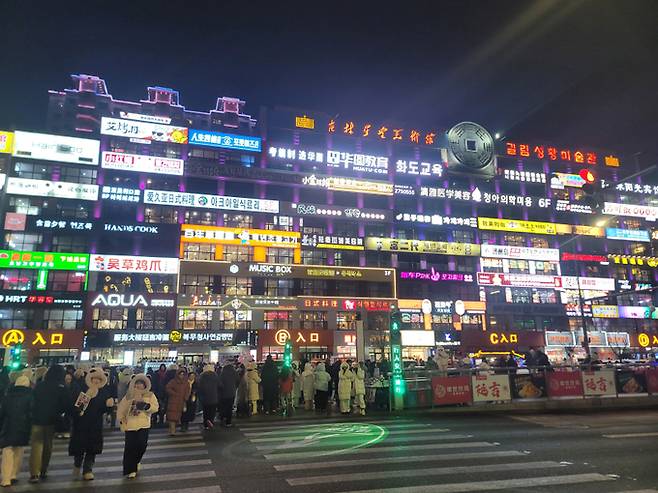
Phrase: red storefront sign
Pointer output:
(298, 337)
(565, 384)
(652, 380)
(451, 390)
(501, 340)
(380, 305)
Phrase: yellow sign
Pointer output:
(175, 336)
(12, 337)
(304, 122)
(194, 233)
(422, 246)
(516, 226)
(6, 142)
(496, 338)
(589, 231)
(34, 338)
(281, 336)
(612, 161)
(357, 185)
(647, 340)
(634, 260)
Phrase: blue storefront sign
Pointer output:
(626, 234)
(224, 141)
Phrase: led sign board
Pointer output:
(42, 339)
(523, 253)
(523, 176)
(637, 188)
(133, 263)
(6, 142)
(57, 189)
(207, 201)
(339, 242)
(646, 211)
(120, 194)
(142, 164)
(561, 180)
(422, 246)
(437, 219)
(225, 141)
(518, 280)
(627, 234)
(550, 153)
(143, 132)
(418, 168)
(163, 120)
(60, 148)
(436, 276)
(381, 132)
(193, 233)
(343, 184)
(14, 259)
(338, 211)
(516, 226)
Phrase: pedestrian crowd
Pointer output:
(40, 405)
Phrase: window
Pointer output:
(67, 210)
(23, 241)
(62, 319)
(199, 251)
(61, 280)
(235, 319)
(314, 287)
(487, 238)
(238, 253)
(346, 258)
(24, 279)
(236, 286)
(16, 318)
(69, 244)
(194, 319)
(281, 223)
(513, 240)
(277, 320)
(23, 205)
(33, 171)
(193, 284)
(161, 214)
(110, 318)
(278, 287)
(194, 217)
(152, 319)
(462, 236)
(238, 221)
(537, 242)
(314, 257)
(313, 320)
(78, 175)
(280, 255)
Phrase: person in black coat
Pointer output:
(50, 401)
(208, 390)
(228, 385)
(87, 433)
(270, 380)
(15, 421)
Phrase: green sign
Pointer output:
(14, 259)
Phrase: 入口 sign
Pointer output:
(62, 148)
(319, 338)
(42, 339)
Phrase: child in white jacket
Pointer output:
(345, 381)
(359, 387)
(134, 413)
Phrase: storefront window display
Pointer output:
(277, 320)
(234, 319)
(235, 286)
(313, 320)
(199, 251)
(194, 319)
(110, 318)
(347, 320)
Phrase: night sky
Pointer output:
(569, 72)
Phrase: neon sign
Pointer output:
(225, 141)
(550, 153)
(631, 210)
(436, 276)
(381, 132)
(524, 176)
(418, 168)
(341, 184)
(437, 219)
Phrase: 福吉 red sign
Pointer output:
(564, 384)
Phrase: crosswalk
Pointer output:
(407, 456)
(171, 464)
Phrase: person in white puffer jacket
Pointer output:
(345, 381)
(359, 387)
(308, 386)
(134, 413)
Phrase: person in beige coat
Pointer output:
(308, 386)
(253, 380)
(345, 381)
(359, 387)
(134, 414)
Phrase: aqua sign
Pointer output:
(14, 259)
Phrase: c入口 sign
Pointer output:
(133, 263)
(142, 164)
(501, 340)
(47, 188)
(143, 132)
(208, 201)
(48, 147)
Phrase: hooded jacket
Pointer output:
(178, 391)
(322, 378)
(50, 399)
(87, 430)
(135, 409)
(252, 381)
(123, 383)
(15, 416)
(228, 382)
(345, 380)
(296, 381)
(359, 381)
(208, 386)
(308, 382)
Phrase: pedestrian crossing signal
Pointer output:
(15, 357)
(287, 354)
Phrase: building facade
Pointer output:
(150, 231)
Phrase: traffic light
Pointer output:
(287, 353)
(592, 192)
(15, 357)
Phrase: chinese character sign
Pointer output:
(451, 390)
(133, 263)
(490, 388)
(600, 382)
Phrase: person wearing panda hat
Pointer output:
(87, 430)
(134, 414)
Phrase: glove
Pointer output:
(109, 402)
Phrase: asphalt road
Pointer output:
(593, 452)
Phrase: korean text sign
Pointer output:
(225, 141)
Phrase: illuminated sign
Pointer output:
(68, 225)
(304, 122)
(516, 226)
(342, 184)
(404, 190)
(207, 201)
(518, 280)
(364, 163)
(337, 211)
(418, 338)
(55, 301)
(634, 260)
(303, 155)
(418, 168)
(437, 219)
(643, 312)
(6, 142)
(43, 260)
(142, 164)
(422, 246)
(562, 205)
(436, 276)
(130, 301)
(561, 180)
(143, 132)
(56, 148)
(57, 189)
(318, 338)
(193, 233)
(139, 228)
(381, 132)
(133, 263)
(175, 337)
(627, 234)
(580, 257)
(121, 194)
(637, 188)
(647, 340)
(332, 241)
(612, 161)
(645, 211)
(164, 120)
(524, 176)
(522, 253)
(484, 197)
(589, 283)
(605, 311)
(225, 141)
(42, 339)
(501, 339)
(550, 153)
(562, 339)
